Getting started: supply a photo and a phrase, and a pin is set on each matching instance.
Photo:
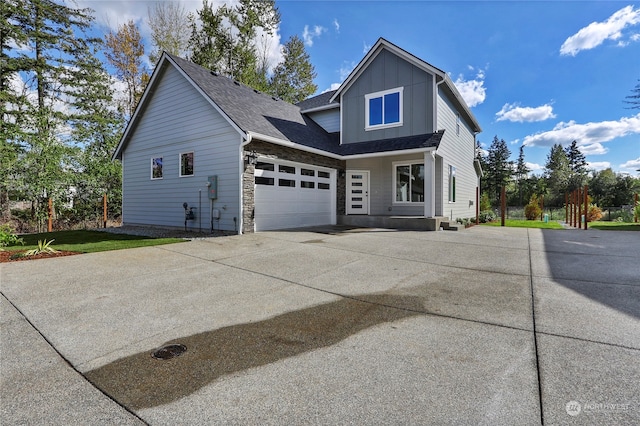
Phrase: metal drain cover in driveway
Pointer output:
(169, 351)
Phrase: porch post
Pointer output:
(429, 184)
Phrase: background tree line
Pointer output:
(66, 95)
(565, 170)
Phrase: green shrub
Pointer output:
(8, 237)
(485, 204)
(532, 211)
(487, 216)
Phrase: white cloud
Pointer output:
(597, 33)
(632, 165)
(534, 167)
(334, 86)
(336, 25)
(365, 48)
(472, 91)
(514, 113)
(598, 165)
(590, 136)
(309, 34)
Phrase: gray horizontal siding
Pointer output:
(178, 119)
(456, 150)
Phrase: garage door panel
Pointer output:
(301, 198)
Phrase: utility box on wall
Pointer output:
(212, 185)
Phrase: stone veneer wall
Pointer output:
(270, 150)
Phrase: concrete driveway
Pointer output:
(330, 326)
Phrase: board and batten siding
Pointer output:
(389, 71)
(328, 119)
(458, 151)
(178, 119)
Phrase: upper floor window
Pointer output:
(383, 109)
(186, 164)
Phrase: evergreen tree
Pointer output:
(522, 176)
(557, 173)
(602, 187)
(577, 165)
(634, 97)
(293, 78)
(223, 39)
(498, 169)
(51, 59)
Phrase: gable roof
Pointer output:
(257, 115)
(440, 76)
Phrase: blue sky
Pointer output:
(533, 72)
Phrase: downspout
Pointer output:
(435, 106)
(246, 140)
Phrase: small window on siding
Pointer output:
(452, 184)
(186, 164)
(156, 168)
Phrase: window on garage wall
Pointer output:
(186, 164)
(156, 168)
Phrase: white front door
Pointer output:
(357, 192)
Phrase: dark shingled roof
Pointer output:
(256, 112)
(321, 100)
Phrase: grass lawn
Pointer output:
(90, 241)
(512, 223)
(615, 226)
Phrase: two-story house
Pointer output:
(395, 140)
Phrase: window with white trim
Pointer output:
(156, 168)
(408, 182)
(186, 164)
(452, 184)
(383, 109)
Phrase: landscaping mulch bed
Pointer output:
(9, 256)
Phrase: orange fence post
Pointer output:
(50, 225)
(579, 202)
(104, 210)
(586, 206)
(566, 208)
(503, 206)
(571, 208)
(635, 199)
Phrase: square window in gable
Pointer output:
(383, 109)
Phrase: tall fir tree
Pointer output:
(48, 63)
(292, 79)
(522, 177)
(634, 98)
(577, 166)
(223, 39)
(499, 169)
(557, 173)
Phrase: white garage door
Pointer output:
(293, 195)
